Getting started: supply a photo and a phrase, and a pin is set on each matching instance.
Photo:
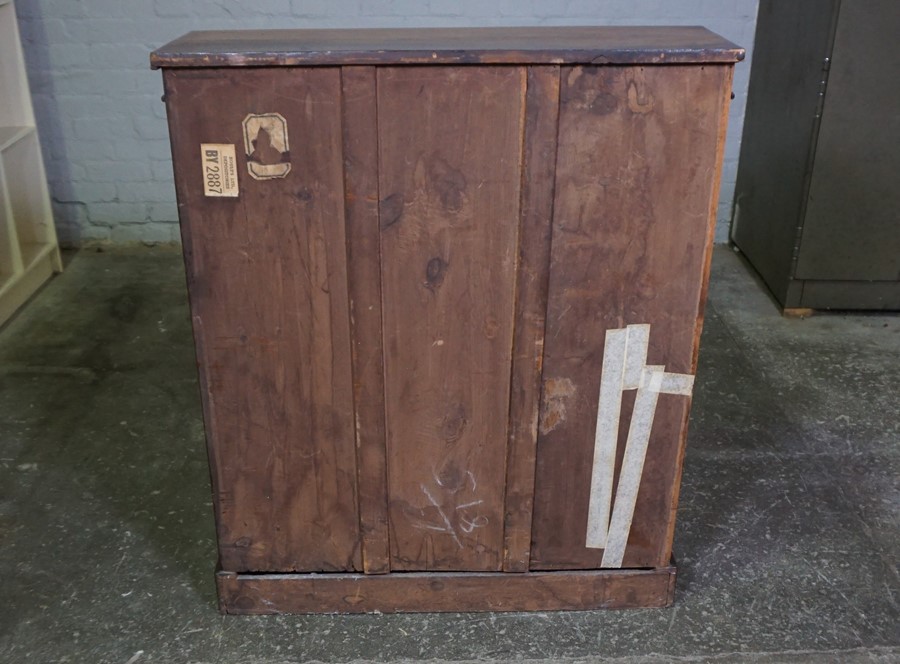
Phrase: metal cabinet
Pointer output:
(817, 207)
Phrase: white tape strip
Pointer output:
(632, 465)
(624, 368)
(609, 410)
(635, 355)
(673, 383)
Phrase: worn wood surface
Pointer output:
(538, 177)
(267, 277)
(637, 155)
(712, 206)
(519, 45)
(364, 266)
(434, 591)
(401, 340)
(449, 168)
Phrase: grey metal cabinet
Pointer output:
(817, 201)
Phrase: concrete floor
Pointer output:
(788, 536)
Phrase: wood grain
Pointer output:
(268, 289)
(538, 177)
(434, 591)
(364, 275)
(713, 204)
(637, 156)
(440, 46)
(449, 169)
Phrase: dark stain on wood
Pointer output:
(449, 182)
(391, 210)
(434, 272)
(454, 423)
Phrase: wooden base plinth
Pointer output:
(435, 591)
(797, 312)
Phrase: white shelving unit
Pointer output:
(29, 253)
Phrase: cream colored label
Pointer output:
(266, 145)
(219, 169)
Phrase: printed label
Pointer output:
(219, 169)
(266, 145)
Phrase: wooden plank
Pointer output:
(435, 591)
(450, 143)
(519, 45)
(538, 176)
(364, 269)
(638, 149)
(713, 204)
(268, 288)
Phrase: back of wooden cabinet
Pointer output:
(406, 286)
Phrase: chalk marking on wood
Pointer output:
(468, 525)
(440, 510)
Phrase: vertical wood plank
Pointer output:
(637, 155)
(360, 126)
(450, 142)
(538, 176)
(268, 288)
(724, 105)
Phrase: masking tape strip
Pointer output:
(654, 381)
(635, 355)
(632, 465)
(605, 438)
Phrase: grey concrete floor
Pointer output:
(788, 536)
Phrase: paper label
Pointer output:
(266, 145)
(219, 169)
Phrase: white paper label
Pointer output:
(219, 169)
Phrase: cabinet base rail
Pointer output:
(409, 592)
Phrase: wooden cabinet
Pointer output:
(447, 288)
(29, 254)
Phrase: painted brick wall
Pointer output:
(103, 125)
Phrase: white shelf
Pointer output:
(29, 254)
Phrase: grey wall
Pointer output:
(103, 125)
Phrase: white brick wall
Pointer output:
(103, 125)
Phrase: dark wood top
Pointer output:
(534, 45)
